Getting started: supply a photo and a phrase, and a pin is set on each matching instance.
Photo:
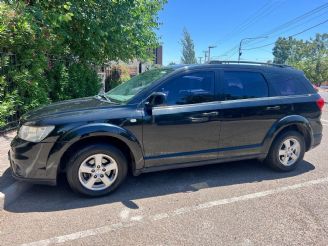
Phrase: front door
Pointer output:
(186, 127)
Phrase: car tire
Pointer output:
(282, 157)
(96, 170)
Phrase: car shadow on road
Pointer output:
(46, 199)
(6, 180)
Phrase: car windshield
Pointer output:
(125, 91)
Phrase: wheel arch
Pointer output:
(122, 146)
(289, 123)
(90, 134)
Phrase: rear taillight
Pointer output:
(320, 102)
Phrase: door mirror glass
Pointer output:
(156, 99)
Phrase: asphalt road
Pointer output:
(240, 203)
(324, 94)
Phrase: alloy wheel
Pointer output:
(98, 172)
(289, 151)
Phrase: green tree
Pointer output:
(287, 49)
(310, 56)
(281, 50)
(49, 49)
(188, 49)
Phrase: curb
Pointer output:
(11, 193)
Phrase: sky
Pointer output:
(225, 22)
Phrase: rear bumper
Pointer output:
(316, 140)
(28, 162)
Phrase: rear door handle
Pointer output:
(273, 108)
(214, 113)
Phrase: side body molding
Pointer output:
(93, 130)
(292, 120)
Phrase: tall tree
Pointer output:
(282, 50)
(313, 59)
(188, 49)
(50, 48)
(310, 56)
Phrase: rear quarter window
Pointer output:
(288, 85)
(244, 85)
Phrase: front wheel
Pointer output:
(286, 151)
(96, 170)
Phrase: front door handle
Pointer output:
(273, 108)
(214, 113)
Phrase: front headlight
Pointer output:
(34, 133)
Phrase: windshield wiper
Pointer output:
(103, 95)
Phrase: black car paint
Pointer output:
(171, 136)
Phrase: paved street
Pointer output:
(324, 94)
(241, 203)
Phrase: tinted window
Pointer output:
(288, 85)
(242, 85)
(191, 88)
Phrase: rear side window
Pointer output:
(243, 85)
(287, 85)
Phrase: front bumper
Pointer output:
(28, 161)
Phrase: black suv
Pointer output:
(171, 117)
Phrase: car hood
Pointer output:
(68, 107)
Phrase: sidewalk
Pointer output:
(5, 174)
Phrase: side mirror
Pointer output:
(155, 99)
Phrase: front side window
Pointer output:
(243, 85)
(197, 87)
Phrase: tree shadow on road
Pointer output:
(46, 199)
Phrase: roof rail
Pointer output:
(248, 62)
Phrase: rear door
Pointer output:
(247, 112)
(298, 97)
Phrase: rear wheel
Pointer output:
(286, 151)
(96, 170)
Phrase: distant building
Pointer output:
(158, 53)
(134, 66)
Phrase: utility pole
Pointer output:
(241, 41)
(205, 55)
(200, 59)
(209, 51)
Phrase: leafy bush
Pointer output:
(82, 81)
(118, 75)
(76, 80)
(48, 49)
(7, 102)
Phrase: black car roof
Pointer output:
(274, 68)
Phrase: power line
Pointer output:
(286, 31)
(300, 18)
(265, 13)
(297, 19)
(245, 39)
(307, 29)
(262, 11)
(285, 25)
(266, 9)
